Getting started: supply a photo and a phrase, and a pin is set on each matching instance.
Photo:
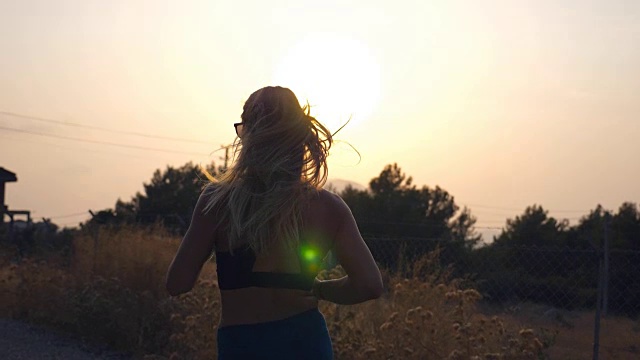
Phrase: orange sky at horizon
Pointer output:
(504, 104)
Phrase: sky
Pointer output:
(504, 104)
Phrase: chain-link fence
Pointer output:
(598, 285)
(592, 279)
(560, 276)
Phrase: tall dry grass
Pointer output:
(113, 292)
(427, 315)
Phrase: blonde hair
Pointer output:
(280, 161)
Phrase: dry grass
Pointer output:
(427, 317)
(113, 292)
(619, 336)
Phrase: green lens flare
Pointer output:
(309, 254)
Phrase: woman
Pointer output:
(270, 224)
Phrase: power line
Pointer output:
(34, 141)
(515, 209)
(67, 123)
(67, 224)
(68, 215)
(100, 142)
(503, 218)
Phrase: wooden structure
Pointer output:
(5, 177)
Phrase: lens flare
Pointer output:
(310, 254)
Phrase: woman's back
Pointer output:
(259, 304)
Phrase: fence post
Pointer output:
(12, 239)
(596, 327)
(605, 285)
(95, 232)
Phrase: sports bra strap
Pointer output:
(281, 280)
(235, 271)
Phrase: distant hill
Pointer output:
(337, 185)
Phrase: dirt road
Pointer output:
(20, 340)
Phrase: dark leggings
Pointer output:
(302, 336)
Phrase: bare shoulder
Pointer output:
(209, 189)
(326, 214)
(204, 200)
(328, 198)
(332, 204)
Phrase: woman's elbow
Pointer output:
(372, 290)
(376, 290)
(175, 288)
(173, 291)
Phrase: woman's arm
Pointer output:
(194, 251)
(363, 281)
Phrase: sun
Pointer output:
(337, 75)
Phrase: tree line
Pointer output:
(535, 257)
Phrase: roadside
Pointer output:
(20, 340)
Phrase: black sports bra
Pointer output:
(236, 271)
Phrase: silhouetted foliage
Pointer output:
(533, 228)
(393, 207)
(41, 239)
(169, 197)
(538, 258)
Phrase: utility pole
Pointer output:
(226, 154)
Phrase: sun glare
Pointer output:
(338, 76)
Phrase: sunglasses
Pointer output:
(239, 129)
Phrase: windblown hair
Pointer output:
(280, 161)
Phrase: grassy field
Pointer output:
(619, 336)
(111, 291)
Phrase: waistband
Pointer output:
(304, 316)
